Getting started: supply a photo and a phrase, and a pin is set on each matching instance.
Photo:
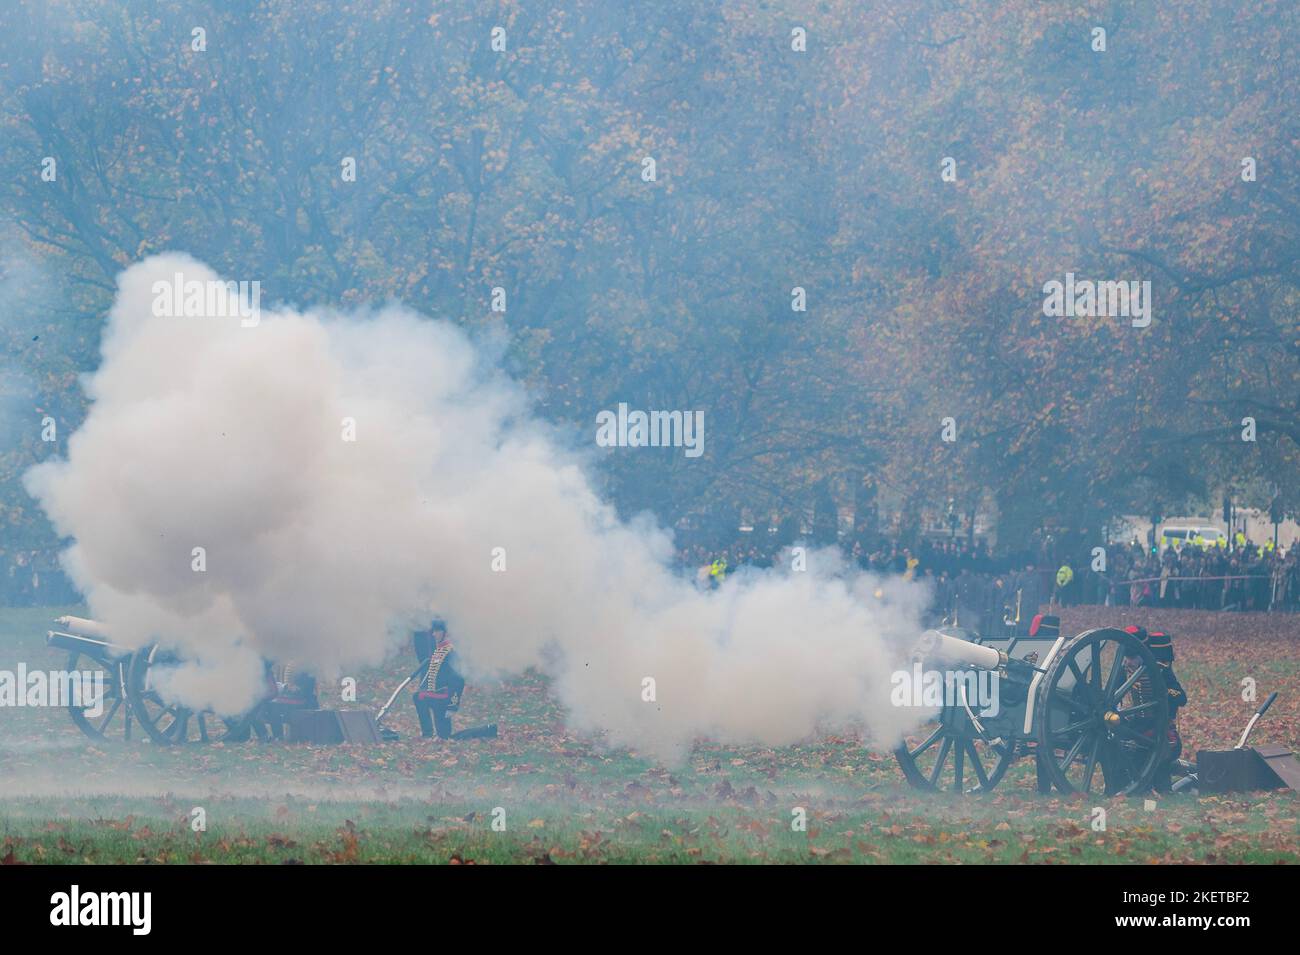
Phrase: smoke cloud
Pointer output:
(207, 433)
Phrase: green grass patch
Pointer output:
(565, 798)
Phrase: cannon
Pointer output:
(91, 650)
(133, 697)
(1091, 710)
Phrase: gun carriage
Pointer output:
(134, 697)
(91, 651)
(1092, 711)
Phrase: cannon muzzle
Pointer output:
(84, 636)
(934, 645)
(83, 627)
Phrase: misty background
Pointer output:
(776, 169)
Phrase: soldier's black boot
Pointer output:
(477, 732)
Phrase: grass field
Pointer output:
(64, 799)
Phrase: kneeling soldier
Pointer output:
(1161, 646)
(440, 685)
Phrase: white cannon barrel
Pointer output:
(937, 646)
(83, 627)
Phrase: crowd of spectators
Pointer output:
(1209, 578)
(963, 575)
(971, 583)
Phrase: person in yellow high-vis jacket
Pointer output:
(1064, 577)
(718, 571)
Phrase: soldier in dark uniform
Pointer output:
(1161, 646)
(286, 690)
(293, 690)
(439, 685)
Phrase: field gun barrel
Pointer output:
(77, 634)
(937, 646)
(82, 627)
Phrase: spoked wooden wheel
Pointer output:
(1103, 715)
(170, 724)
(109, 718)
(950, 755)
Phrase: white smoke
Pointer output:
(204, 433)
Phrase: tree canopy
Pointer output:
(919, 173)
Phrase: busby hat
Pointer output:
(1157, 641)
(1161, 646)
(1045, 625)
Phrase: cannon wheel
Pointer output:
(169, 724)
(1102, 705)
(116, 719)
(950, 755)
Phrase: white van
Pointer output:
(1198, 535)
